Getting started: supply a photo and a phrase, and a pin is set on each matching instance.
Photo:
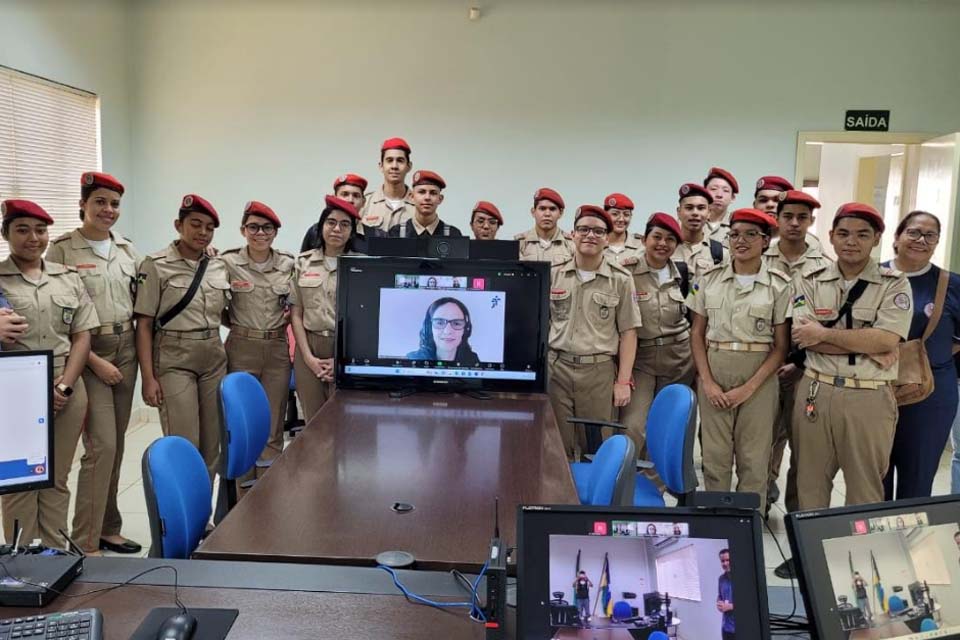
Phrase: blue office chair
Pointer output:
(671, 432)
(178, 495)
(927, 624)
(621, 611)
(244, 430)
(608, 480)
(658, 635)
(896, 604)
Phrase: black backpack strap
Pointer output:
(798, 356)
(716, 251)
(684, 278)
(182, 303)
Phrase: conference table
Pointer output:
(419, 474)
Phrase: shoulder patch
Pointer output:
(519, 236)
(616, 266)
(779, 274)
(638, 236)
(567, 235)
(62, 237)
(889, 272)
(902, 301)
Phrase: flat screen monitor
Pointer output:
(887, 570)
(447, 325)
(699, 573)
(26, 425)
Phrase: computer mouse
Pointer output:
(177, 627)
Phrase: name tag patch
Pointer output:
(641, 296)
(823, 312)
(241, 285)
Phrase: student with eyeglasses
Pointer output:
(740, 338)
(593, 330)
(923, 427)
(485, 220)
(314, 299)
(260, 282)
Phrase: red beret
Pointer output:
(488, 208)
(773, 183)
(255, 208)
(862, 211)
(546, 193)
(694, 189)
(351, 179)
(395, 143)
(333, 202)
(799, 197)
(97, 180)
(596, 212)
(193, 202)
(723, 174)
(24, 209)
(667, 222)
(428, 177)
(754, 216)
(618, 201)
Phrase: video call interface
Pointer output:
(458, 326)
(629, 578)
(24, 427)
(894, 576)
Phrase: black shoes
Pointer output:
(128, 546)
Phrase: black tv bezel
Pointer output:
(438, 266)
(51, 461)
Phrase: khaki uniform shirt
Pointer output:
(164, 279)
(56, 307)
(560, 249)
(697, 257)
(587, 318)
(259, 294)
(811, 260)
(886, 304)
(111, 283)
(315, 291)
(662, 306)
(376, 212)
(631, 248)
(720, 229)
(741, 314)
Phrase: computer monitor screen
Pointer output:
(441, 324)
(889, 570)
(26, 426)
(698, 572)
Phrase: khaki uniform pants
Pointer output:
(189, 372)
(269, 362)
(852, 431)
(42, 513)
(783, 433)
(743, 435)
(108, 415)
(581, 391)
(313, 393)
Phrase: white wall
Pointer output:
(701, 620)
(631, 569)
(893, 562)
(243, 99)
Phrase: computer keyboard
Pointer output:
(83, 624)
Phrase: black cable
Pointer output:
(793, 591)
(466, 584)
(176, 584)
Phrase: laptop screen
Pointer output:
(888, 570)
(26, 427)
(589, 572)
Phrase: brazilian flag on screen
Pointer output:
(606, 601)
(876, 583)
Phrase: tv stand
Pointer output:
(397, 394)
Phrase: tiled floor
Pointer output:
(136, 527)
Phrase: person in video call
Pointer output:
(725, 597)
(651, 529)
(581, 596)
(445, 334)
(863, 599)
(427, 195)
(485, 220)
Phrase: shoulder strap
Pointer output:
(182, 303)
(684, 278)
(716, 251)
(855, 292)
(938, 300)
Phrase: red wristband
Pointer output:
(629, 383)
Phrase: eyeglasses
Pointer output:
(747, 236)
(591, 231)
(485, 222)
(441, 323)
(932, 237)
(254, 228)
(344, 225)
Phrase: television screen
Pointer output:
(423, 323)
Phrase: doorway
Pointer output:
(895, 173)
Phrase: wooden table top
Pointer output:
(329, 497)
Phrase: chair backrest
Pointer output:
(927, 624)
(671, 430)
(613, 473)
(896, 604)
(244, 423)
(658, 635)
(622, 610)
(178, 495)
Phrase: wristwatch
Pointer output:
(64, 390)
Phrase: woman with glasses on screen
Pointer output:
(260, 280)
(923, 427)
(740, 337)
(59, 315)
(314, 299)
(445, 334)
